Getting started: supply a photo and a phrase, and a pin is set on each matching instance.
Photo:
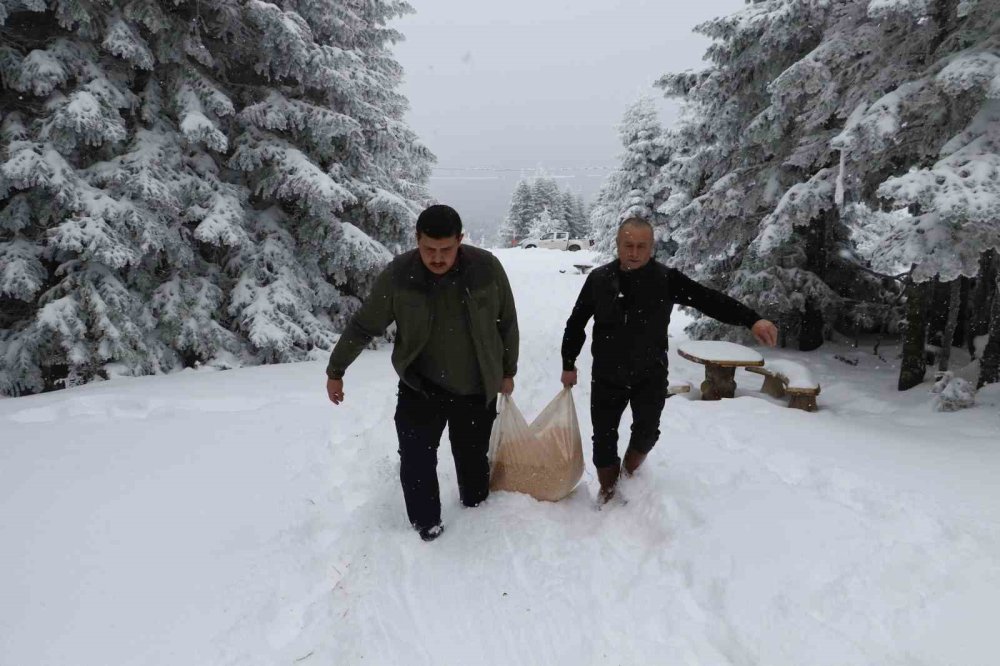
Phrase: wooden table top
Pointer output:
(722, 354)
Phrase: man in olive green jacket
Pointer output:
(456, 347)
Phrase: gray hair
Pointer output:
(636, 222)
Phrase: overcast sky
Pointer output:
(525, 83)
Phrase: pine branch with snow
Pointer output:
(789, 147)
(635, 188)
(184, 180)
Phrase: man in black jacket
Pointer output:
(630, 300)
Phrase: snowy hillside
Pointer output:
(238, 518)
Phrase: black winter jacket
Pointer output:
(631, 311)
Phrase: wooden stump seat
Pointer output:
(782, 377)
(679, 387)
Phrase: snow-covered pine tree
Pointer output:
(545, 195)
(942, 123)
(762, 182)
(520, 212)
(532, 197)
(738, 150)
(946, 202)
(568, 207)
(635, 187)
(506, 233)
(188, 181)
(576, 219)
(605, 216)
(582, 216)
(544, 224)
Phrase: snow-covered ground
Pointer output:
(238, 518)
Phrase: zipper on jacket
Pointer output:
(467, 302)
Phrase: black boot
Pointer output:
(430, 533)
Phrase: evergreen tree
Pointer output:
(506, 233)
(738, 150)
(581, 217)
(946, 205)
(531, 198)
(568, 204)
(520, 213)
(605, 216)
(636, 187)
(187, 181)
(546, 196)
(576, 218)
(790, 144)
(544, 224)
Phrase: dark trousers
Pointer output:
(420, 421)
(607, 403)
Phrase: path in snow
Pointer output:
(238, 518)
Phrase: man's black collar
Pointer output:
(642, 270)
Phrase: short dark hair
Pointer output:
(439, 221)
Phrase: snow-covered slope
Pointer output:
(238, 518)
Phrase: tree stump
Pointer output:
(773, 386)
(803, 401)
(720, 382)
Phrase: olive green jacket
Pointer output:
(400, 295)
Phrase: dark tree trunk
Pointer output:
(937, 310)
(989, 368)
(914, 365)
(981, 300)
(962, 325)
(817, 244)
(811, 331)
(948, 335)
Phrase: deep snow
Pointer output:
(238, 517)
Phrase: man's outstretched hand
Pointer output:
(335, 389)
(765, 332)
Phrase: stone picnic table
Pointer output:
(720, 360)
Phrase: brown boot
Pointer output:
(608, 476)
(633, 459)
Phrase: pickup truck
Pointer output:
(558, 240)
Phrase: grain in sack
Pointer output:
(543, 459)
